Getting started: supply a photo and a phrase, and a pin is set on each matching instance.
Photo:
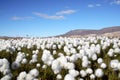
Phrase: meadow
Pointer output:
(61, 58)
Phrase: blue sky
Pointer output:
(53, 17)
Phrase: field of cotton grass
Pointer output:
(90, 58)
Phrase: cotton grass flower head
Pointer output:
(92, 76)
(73, 51)
(98, 48)
(73, 72)
(94, 57)
(29, 77)
(73, 58)
(34, 72)
(59, 77)
(89, 71)
(80, 79)
(59, 46)
(54, 52)
(103, 65)
(62, 60)
(54, 46)
(44, 66)
(118, 66)
(100, 60)
(19, 57)
(4, 64)
(22, 76)
(69, 65)
(85, 63)
(89, 53)
(99, 73)
(110, 52)
(6, 71)
(83, 73)
(24, 61)
(114, 64)
(69, 77)
(84, 58)
(117, 50)
(38, 65)
(56, 67)
(7, 77)
(47, 58)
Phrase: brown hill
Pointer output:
(84, 32)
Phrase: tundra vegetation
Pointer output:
(62, 58)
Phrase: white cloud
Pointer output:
(56, 16)
(94, 5)
(90, 5)
(21, 18)
(65, 12)
(16, 18)
(115, 2)
(48, 16)
(98, 5)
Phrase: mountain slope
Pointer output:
(82, 32)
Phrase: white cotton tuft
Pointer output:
(38, 65)
(73, 72)
(59, 77)
(99, 73)
(83, 73)
(34, 72)
(85, 63)
(29, 77)
(1, 62)
(94, 57)
(44, 66)
(103, 65)
(62, 60)
(4, 66)
(24, 61)
(54, 52)
(22, 76)
(69, 77)
(118, 66)
(73, 50)
(54, 46)
(89, 71)
(6, 71)
(110, 52)
(56, 66)
(47, 58)
(19, 57)
(100, 60)
(80, 79)
(117, 50)
(7, 77)
(114, 64)
(92, 76)
(98, 48)
(59, 46)
(34, 58)
(27, 54)
(73, 58)
(69, 65)
(84, 58)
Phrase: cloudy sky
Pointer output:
(53, 17)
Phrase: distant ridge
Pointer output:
(83, 32)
